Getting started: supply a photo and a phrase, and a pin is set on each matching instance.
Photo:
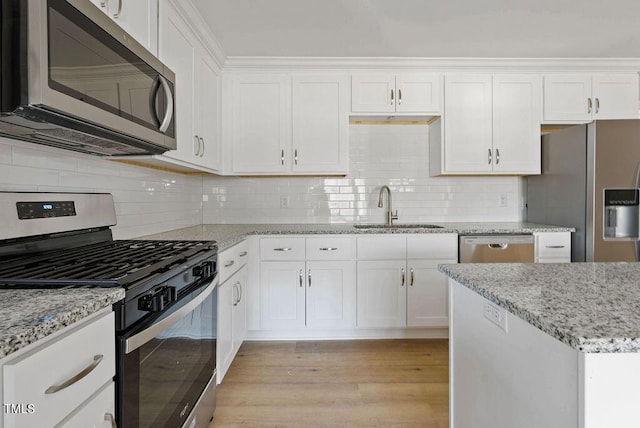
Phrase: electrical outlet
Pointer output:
(496, 315)
(284, 201)
(504, 201)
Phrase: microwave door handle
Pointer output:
(169, 100)
(152, 101)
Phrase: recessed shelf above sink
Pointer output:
(397, 226)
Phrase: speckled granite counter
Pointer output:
(29, 315)
(592, 307)
(229, 234)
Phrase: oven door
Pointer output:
(166, 368)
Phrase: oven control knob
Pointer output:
(156, 302)
(204, 270)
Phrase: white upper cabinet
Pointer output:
(490, 125)
(283, 124)
(468, 131)
(320, 124)
(261, 129)
(418, 93)
(574, 98)
(516, 124)
(207, 114)
(137, 17)
(197, 94)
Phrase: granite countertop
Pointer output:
(592, 307)
(29, 315)
(229, 234)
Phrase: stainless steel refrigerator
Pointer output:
(589, 181)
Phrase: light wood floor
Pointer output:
(370, 383)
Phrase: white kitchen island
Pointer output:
(544, 345)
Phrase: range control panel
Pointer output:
(31, 210)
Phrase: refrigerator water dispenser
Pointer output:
(621, 213)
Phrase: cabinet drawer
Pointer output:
(433, 246)
(97, 412)
(282, 248)
(88, 349)
(330, 248)
(232, 259)
(553, 245)
(382, 247)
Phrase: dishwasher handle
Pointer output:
(496, 246)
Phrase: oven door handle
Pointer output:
(139, 339)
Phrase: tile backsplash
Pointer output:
(151, 201)
(147, 201)
(396, 155)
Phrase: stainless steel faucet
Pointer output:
(390, 215)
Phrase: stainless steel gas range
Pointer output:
(165, 326)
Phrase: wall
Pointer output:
(396, 155)
(147, 201)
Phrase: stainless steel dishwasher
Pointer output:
(496, 249)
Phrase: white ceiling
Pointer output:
(426, 28)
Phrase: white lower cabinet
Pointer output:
(48, 378)
(302, 293)
(330, 294)
(382, 296)
(552, 247)
(232, 306)
(427, 302)
(97, 412)
(398, 281)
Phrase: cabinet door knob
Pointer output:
(589, 105)
(411, 283)
(108, 417)
(392, 97)
(489, 157)
(403, 277)
(282, 156)
(242, 254)
(497, 156)
(597, 105)
(300, 278)
(196, 145)
(119, 11)
(399, 96)
(202, 142)
(282, 249)
(229, 263)
(295, 156)
(104, 3)
(328, 248)
(309, 278)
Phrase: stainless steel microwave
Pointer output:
(70, 77)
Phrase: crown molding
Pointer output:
(201, 30)
(244, 63)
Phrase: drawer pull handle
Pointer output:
(555, 246)
(242, 254)
(282, 249)
(328, 248)
(55, 388)
(108, 417)
(229, 263)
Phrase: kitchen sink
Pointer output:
(397, 226)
